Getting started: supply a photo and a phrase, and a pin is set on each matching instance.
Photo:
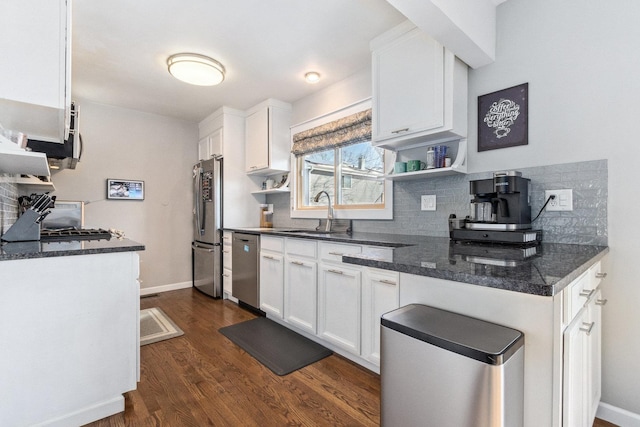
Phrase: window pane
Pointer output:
(361, 175)
(317, 172)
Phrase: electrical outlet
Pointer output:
(562, 202)
(428, 203)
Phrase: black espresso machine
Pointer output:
(500, 212)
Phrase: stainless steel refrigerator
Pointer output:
(207, 224)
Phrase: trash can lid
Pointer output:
(480, 340)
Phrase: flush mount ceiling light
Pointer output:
(196, 69)
(312, 77)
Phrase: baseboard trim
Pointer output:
(165, 288)
(88, 414)
(617, 416)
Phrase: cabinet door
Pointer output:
(408, 89)
(210, 146)
(594, 360)
(272, 283)
(203, 149)
(257, 140)
(575, 390)
(35, 89)
(380, 294)
(300, 290)
(339, 306)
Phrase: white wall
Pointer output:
(129, 144)
(581, 60)
(345, 92)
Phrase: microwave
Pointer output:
(67, 154)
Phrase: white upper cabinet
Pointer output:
(419, 90)
(35, 90)
(210, 146)
(268, 143)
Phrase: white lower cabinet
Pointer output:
(380, 294)
(227, 270)
(300, 293)
(339, 295)
(272, 283)
(582, 344)
(300, 284)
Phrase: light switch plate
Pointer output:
(562, 202)
(428, 203)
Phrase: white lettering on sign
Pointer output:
(501, 116)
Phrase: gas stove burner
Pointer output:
(66, 234)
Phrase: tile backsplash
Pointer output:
(8, 205)
(586, 224)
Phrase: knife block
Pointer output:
(24, 229)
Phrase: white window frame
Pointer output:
(354, 212)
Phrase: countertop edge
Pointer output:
(114, 246)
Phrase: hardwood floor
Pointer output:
(202, 379)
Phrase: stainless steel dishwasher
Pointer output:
(246, 267)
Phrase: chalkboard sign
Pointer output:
(503, 118)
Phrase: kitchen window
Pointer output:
(334, 154)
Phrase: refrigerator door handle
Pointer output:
(207, 248)
(197, 194)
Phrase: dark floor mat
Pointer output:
(278, 348)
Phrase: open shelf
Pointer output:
(406, 176)
(458, 150)
(272, 191)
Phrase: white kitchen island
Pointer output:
(69, 331)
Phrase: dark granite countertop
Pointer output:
(42, 249)
(546, 272)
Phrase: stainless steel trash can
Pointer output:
(441, 369)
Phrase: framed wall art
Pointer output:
(503, 118)
(125, 189)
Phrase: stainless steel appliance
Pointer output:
(246, 268)
(67, 154)
(440, 368)
(207, 223)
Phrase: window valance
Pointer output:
(348, 130)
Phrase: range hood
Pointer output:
(65, 155)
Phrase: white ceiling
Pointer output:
(120, 48)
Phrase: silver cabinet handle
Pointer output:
(601, 275)
(336, 253)
(601, 301)
(226, 252)
(587, 327)
(400, 130)
(388, 282)
(297, 262)
(267, 257)
(587, 293)
(336, 271)
(253, 167)
(225, 275)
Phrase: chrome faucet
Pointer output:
(329, 209)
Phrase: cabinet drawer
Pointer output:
(576, 296)
(335, 251)
(226, 256)
(596, 275)
(227, 281)
(302, 247)
(270, 243)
